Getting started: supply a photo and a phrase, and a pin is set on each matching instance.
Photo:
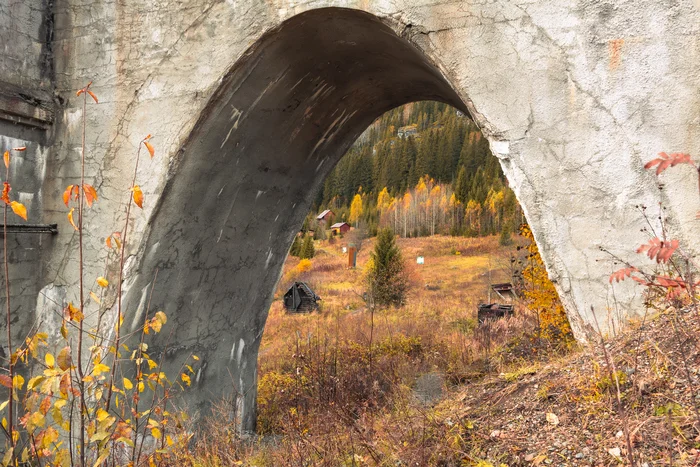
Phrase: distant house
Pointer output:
(300, 298)
(340, 228)
(325, 215)
(406, 131)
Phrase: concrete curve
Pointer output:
(574, 98)
(279, 122)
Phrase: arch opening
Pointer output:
(247, 175)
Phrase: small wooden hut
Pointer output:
(300, 299)
(493, 311)
(340, 228)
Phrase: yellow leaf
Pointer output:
(169, 440)
(195, 357)
(102, 282)
(128, 384)
(150, 148)
(160, 316)
(70, 218)
(73, 313)
(64, 359)
(151, 364)
(18, 381)
(141, 386)
(155, 324)
(6, 157)
(3, 405)
(186, 379)
(156, 433)
(101, 414)
(19, 209)
(100, 460)
(138, 196)
(49, 359)
(100, 368)
(34, 382)
(94, 296)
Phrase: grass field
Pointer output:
(445, 290)
(344, 386)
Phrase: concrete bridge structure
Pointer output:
(252, 102)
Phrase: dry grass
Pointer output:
(445, 290)
(328, 398)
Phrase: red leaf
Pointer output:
(621, 274)
(6, 381)
(6, 192)
(665, 281)
(66, 194)
(92, 94)
(90, 194)
(641, 281)
(665, 161)
(659, 250)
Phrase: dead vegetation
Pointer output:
(506, 395)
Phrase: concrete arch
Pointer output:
(278, 123)
(573, 97)
(286, 112)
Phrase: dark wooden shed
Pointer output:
(493, 311)
(505, 291)
(300, 299)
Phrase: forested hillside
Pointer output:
(422, 169)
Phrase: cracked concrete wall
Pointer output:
(25, 42)
(25, 112)
(249, 112)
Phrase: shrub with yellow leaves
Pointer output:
(541, 296)
(96, 401)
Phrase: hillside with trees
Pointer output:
(421, 169)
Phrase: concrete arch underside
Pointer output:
(276, 126)
(571, 112)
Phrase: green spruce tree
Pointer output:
(387, 279)
(295, 250)
(307, 248)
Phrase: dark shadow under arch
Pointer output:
(243, 182)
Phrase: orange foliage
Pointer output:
(542, 297)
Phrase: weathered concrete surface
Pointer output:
(26, 111)
(251, 103)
